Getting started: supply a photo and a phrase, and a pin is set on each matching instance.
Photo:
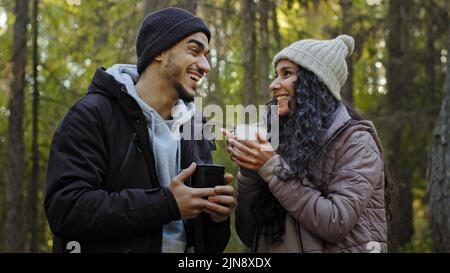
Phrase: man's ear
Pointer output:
(158, 57)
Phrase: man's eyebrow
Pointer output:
(197, 42)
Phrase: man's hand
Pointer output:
(222, 204)
(190, 201)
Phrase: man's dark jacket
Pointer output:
(102, 188)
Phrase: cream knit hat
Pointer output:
(325, 58)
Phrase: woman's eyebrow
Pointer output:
(284, 68)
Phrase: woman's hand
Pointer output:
(249, 154)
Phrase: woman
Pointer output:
(322, 189)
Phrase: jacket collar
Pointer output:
(105, 84)
(340, 118)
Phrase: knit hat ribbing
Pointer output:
(325, 58)
(162, 29)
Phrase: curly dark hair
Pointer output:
(311, 110)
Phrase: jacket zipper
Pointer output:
(125, 163)
(299, 236)
(256, 238)
(191, 152)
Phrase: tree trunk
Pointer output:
(127, 53)
(34, 223)
(275, 27)
(188, 5)
(439, 173)
(101, 37)
(13, 228)
(399, 71)
(152, 5)
(249, 41)
(347, 89)
(264, 61)
(430, 60)
(218, 21)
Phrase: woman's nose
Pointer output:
(275, 85)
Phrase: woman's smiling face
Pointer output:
(282, 86)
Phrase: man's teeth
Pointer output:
(282, 98)
(194, 77)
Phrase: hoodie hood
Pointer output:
(181, 113)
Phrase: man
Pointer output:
(115, 181)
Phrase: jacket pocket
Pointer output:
(126, 162)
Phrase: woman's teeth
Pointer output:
(282, 98)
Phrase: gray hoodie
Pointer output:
(165, 141)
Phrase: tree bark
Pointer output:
(34, 226)
(347, 89)
(13, 228)
(101, 19)
(439, 172)
(152, 5)
(188, 5)
(219, 23)
(399, 84)
(430, 60)
(249, 41)
(264, 61)
(275, 27)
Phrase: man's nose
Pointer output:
(203, 64)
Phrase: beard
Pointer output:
(182, 92)
(174, 72)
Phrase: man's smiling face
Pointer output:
(185, 64)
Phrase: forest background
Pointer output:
(399, 78)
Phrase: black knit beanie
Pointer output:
(162, 29)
